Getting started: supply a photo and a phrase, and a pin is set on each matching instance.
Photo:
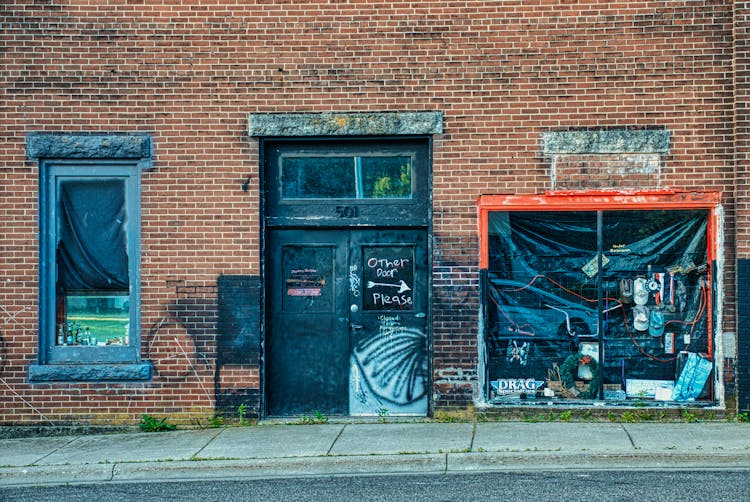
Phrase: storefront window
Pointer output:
(599, 304)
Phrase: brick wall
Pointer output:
(189, 72)
(742, 156)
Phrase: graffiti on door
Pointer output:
(389, 369)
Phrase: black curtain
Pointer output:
(92, 245)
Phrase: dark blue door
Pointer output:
(347, 322)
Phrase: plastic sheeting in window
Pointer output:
(92, 236)
(546, 289)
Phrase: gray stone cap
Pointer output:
(61, 145)
(592, 141)
(89, 372)
(344, 124)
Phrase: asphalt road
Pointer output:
(557, 486)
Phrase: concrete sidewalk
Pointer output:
(269, 450)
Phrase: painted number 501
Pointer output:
(347, 211)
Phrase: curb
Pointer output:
(422, 463)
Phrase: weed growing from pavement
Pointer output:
(689, 417)
(151, 424)
(383, 415)
(241, 411)
(316, 418)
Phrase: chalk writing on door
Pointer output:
(388, 278)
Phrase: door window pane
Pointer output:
(318, 178)
(386, 177)
(308, 278)
(350, 177)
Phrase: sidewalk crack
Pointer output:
(630, 438)
(473, 435)
(36, 462)
(330, 449)
(195, 455)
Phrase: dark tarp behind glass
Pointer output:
(92, 251)
(543, 300)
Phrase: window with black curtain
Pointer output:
(90, 248)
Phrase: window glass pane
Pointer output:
(546, 288)
(93, 277)
(308, 278)
(346, 177)
(92, 235)
(95, 320)
(318, 178)
(386, 177)
(658, 272)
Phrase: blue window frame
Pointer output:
(89, 279)
(89, 273)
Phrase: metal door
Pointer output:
(347, 322)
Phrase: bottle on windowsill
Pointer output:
(61, 335)
(79, 335)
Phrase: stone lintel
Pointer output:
(598, 141)
(59, 145)
(344, 124)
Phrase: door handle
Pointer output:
(356, 326)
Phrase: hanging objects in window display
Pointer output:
(548, 300)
